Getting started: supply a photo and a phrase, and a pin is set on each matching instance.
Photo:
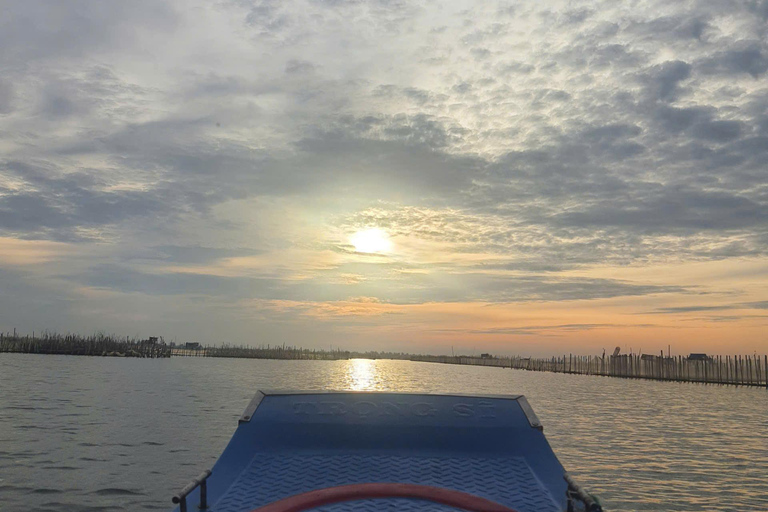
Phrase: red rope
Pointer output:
(329, 495)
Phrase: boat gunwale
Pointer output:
(253, 405)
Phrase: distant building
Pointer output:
(486, 356)
(192, 345)
(152, 340)
(699, 357)
(649, 357)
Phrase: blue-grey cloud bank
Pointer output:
(200, 170)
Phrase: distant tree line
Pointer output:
(750, 370)
(98, 344)
(280, 352)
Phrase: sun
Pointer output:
(373, 240)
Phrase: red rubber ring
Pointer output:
(330, 495)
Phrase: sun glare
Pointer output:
(372, 240)
(361, 374)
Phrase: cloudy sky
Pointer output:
(517, 177)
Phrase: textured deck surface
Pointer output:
(290, 443)
(270, 477)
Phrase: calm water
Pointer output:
(91, 434)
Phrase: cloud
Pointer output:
(552, 330)
(231, 149)
(744, 57)
(692, 309)
(14, 251)
(670, 210)
(7, 95)
(78, 30)
(721, 307)
(29, 301)
(663, 80)
(126, 280)
(384, 283)
(57, 204)
(186, 255)
(357, 308)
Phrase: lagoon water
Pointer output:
(98, 434)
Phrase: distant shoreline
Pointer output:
(742, 370)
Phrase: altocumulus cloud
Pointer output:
(225, 151)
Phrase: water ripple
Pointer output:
(93, 431)
(115, 491)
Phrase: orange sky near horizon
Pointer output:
(718, 309)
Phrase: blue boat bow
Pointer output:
(484, 448)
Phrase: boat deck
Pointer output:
(270, 477)
(290, 443)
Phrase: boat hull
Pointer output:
(288, 443)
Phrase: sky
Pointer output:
(532, 177)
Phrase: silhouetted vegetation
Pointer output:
(280, 352)
(73, 344)
(749, 370)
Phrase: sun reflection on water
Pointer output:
(362, 375)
